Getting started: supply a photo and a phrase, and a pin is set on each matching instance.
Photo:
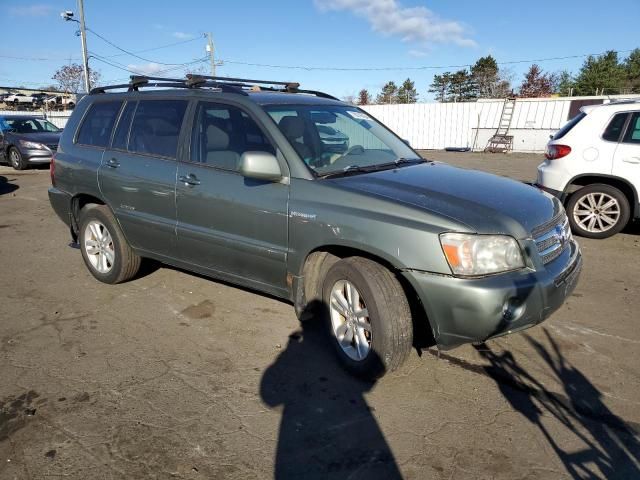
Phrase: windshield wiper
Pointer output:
(402, 160)
(345, 171)
(371, 168)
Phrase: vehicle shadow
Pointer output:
(610, 447)
(6, 187)
(327, 430)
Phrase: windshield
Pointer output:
(29, 125)
(334, 138)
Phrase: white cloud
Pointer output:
(183, 36)
(31, 10)
(417, 53)
(417, 25)
(146, 68)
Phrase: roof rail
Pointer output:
(226, 84)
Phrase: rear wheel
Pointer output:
(598, 211)
(105, 251)
(369, 317)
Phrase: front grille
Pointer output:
(552, 238)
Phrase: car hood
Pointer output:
(48, 138)
(483, 202)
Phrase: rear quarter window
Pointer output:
(97, 124)
(569, 125)
(614, 129)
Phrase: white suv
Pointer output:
(593, 165)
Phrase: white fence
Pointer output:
(435, 126)
(471, 124)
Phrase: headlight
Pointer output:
(471, 255)
(32, 145)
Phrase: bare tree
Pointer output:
(70, 77)
(364, 97)
(536, 83)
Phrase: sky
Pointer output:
(323, 39)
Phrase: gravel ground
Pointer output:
(174, 375)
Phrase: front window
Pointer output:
(29, 125)
(332, 139)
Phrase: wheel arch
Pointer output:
(78, 202)
(307, 291)
(626, 187)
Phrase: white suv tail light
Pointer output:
(554, 152)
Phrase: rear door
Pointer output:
(227, 223)
(626, 161)
(138, 172)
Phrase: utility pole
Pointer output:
(83, 38)
(211, 51)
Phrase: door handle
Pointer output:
(631, 160)
(113, 163)
(189, 180)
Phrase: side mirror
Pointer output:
(260, 165)
(406, 141)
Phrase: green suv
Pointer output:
(238, 180)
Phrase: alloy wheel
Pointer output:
(596, 212)
(350, 322)
(98, 246)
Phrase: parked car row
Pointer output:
(21, 101)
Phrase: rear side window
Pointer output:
(614, 129)
(98, 123)
(121, 137)
(633, 131)
(156, 127)
(569, 125)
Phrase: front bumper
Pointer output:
(469, 310)
(36, 155)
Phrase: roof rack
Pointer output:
(226, 84)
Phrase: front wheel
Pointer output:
(105, 251)
(369, 317)
(598, 211)
(16, 159)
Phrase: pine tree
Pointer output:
(407, 92)
(389, 94)
(440, 86)
(600, 74)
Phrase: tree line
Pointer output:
(606, 74)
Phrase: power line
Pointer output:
(127, 51)
(126, 68)
(423, 67)
(53, 59)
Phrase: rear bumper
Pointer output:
(473, 310)
(61, 204)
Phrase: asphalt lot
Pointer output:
(174, 375)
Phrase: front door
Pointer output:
(138, 173)
(227, 223)
(626, 161)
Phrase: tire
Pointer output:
(586, 217)
(390, 329)
(114, 260)
(16, 159)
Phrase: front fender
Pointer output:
(323, 216)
